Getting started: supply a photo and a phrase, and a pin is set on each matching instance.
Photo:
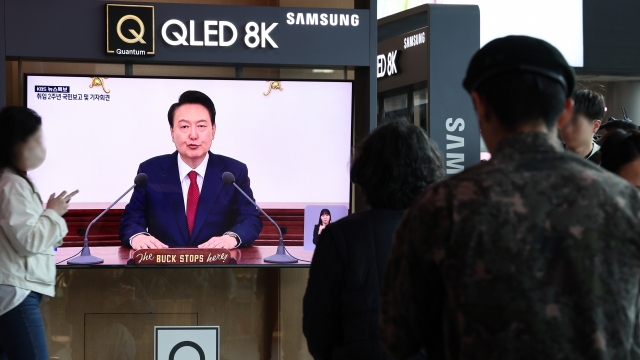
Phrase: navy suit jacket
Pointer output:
(159, 208)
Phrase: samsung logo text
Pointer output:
(322, 19)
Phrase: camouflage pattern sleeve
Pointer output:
(413, 292)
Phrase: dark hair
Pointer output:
(613, 124)
(589, 103)
(394, 165)
(322, 212)
(518, 98)
(17, 124)
(193, 97)
(619, 148)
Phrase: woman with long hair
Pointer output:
(28, 235)
(323, 220)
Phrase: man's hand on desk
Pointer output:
(143, 241)
(220, 242)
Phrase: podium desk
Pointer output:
(108, 311)
(118, 256)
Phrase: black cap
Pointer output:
(519, 54)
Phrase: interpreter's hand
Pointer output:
(60, 204)
(321, 228)
(144, 241)
(220, 242)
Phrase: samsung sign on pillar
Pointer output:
(387, 64)
(455, 158)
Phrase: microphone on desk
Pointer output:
(85, 257)
(281, 256)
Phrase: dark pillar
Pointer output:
(365, 92)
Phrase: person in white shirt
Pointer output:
(578, 133)
(28, 235)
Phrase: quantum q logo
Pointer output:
(130, 30)
(137, 35)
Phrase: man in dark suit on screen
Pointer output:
(185, 202)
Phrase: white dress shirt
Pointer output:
(184, 170)
(594, 150)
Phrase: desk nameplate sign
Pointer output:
(182, 256)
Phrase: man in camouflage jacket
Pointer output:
(534, 254)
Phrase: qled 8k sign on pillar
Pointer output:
(187, 343)
(130, 30)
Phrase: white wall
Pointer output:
(557, 21)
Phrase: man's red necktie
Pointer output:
(192, 200)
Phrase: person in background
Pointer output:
(615, 124)
(28, 235)
(578, 133)
(621, 154)
(323, 221)
(534, 254)
(341, 305)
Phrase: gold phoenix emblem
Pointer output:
(137, 36)
(273, 85)
(99, 82)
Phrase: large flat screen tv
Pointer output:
(295, 141)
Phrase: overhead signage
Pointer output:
(306, 37)
(403, 60)
(236, 34)
(387, 64)
(225, 33)
(433, 60)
